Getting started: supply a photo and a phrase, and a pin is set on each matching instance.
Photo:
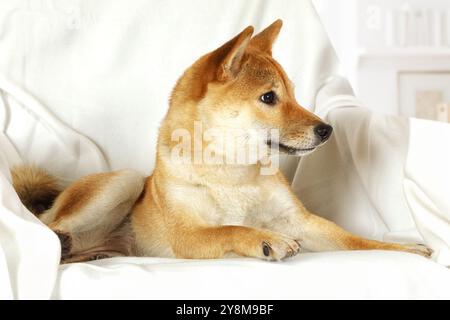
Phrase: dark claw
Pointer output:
(266, 249)
(99, 257)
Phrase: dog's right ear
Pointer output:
(229, 56)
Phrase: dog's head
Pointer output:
(240, 85)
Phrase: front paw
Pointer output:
(419, 249)
(279, 247)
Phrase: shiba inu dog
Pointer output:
(199, 210)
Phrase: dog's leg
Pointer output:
(92, 209)
(318, 234)
(215, 242)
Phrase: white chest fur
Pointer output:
(253, 204)
(234, 205)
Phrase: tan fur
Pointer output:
(78, 195)
(199, 210)
(36, 189)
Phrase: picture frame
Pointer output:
(424, 95)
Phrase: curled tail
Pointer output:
(36, 188)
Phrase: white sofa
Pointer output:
(84, 86)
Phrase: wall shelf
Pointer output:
(409, 52)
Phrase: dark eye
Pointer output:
(269, 98)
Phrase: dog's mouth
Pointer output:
(288, 149)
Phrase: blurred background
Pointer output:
(396, 53)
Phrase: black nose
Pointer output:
(323, 131)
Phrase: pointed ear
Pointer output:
(230, 55)
(265, 39)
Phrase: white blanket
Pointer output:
(106, 70)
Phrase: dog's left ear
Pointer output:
(266, 38)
